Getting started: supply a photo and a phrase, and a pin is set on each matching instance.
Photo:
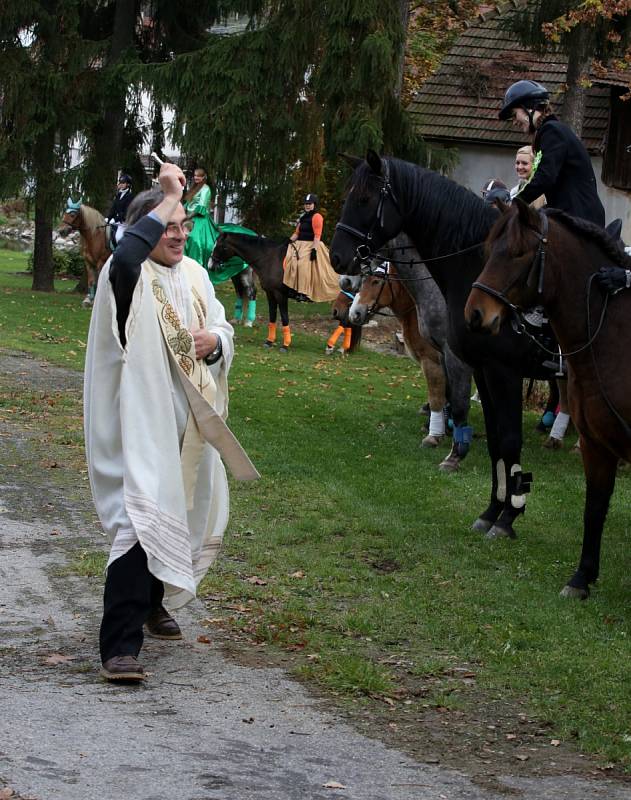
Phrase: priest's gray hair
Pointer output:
(143, 203)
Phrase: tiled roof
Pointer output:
(460, 102)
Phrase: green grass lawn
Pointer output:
(355, 553)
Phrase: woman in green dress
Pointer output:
(201, 242)
(196, 202)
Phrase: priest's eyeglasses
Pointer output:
(174, 229)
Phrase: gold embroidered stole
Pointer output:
(204, 423)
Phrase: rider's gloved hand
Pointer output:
(314, 254)
(614, 279)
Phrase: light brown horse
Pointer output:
(552, 259)
(385, 290)
(95, 247)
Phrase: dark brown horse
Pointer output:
(94, 243)
(552, 259)
(266, 259)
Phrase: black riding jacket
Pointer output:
(118, 211)
(564, 174)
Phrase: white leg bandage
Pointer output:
(436, 423)
(501, 480)
(560, 425)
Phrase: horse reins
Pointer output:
(363, 251)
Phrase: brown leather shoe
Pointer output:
(123, 668)
(161, 625)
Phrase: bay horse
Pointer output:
(95, 247)
(425, 327)
(383, 289)
(266, 259)
(552, 259)
(447, 225)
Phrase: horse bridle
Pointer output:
(538, 262)
(363, 251)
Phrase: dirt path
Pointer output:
(203, 726)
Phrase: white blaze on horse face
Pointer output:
(357, 312)
(517, 500)
(501, 480)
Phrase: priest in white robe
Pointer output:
(156, 400)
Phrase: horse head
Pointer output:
(221, 251)
(370, 215)
(71, 219)
(374, 294)
(512, 276)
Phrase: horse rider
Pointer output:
(307, 268)
(118, 211)
(562, 169)
(494, 190)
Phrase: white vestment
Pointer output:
(136, 416)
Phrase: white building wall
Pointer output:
(479, 163)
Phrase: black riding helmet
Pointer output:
(311, 198)
(527, 94)
(124, 178)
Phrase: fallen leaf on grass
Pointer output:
(333, 785)
(57, 658)
(256, 581)
(522, 757)
(203, 639)
(555, 742)
(298, 574)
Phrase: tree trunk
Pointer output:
(108, 138)
(578, 66)
(44, 173)
(404, 12)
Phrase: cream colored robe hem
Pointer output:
(135, 417)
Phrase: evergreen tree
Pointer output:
(45, 80)
(303, 81)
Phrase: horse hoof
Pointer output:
(576, 448)
(283, 349)
(500, 532)
(87, 302)
(482, 525)
(432, 441)
(248, 323)
(449, 464)
(267, 344)
(574, 593)
(553, 444)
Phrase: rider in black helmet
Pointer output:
(562, 169)
(123, 198)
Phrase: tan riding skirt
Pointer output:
(316, 279)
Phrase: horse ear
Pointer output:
(374, 162)
(527, 215)
(354, 161)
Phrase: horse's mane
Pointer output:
(454, 215)
(247, 237)
(511, 226)
(92, 218)
(613, 248)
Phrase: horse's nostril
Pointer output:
(475, 319)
